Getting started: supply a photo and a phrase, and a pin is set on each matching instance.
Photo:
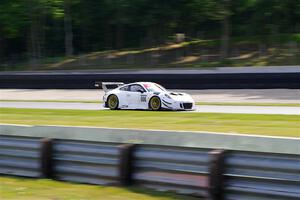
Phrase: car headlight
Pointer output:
(168, 96)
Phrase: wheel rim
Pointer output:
(113, 102)
(155, 103)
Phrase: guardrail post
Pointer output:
(46, 157)
(126, 164)
(216, 171)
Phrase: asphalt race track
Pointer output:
(207, 96)
(284, 110)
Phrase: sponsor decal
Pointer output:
(167, 106)
(166, 102)
(147, 85)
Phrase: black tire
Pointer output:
(155, 103)
(113, 102)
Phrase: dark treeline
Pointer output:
(34, 29)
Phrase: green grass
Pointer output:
(275, 125)
(197, 103)
(43, 189)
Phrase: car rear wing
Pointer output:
(106, 86)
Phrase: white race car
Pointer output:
(144, 95)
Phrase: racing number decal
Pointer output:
(143, 98)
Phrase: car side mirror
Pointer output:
(141, 91)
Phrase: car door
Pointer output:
(123, 99)
(136, 97)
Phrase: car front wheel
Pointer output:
(155, 103)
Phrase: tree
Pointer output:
(225, 24)
(47, 28)
(12, 25)
(68, 28)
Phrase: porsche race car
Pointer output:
(144, 95)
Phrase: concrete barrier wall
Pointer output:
(171, 138)
(228, 78)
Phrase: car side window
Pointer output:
(136, 88)
(124, 88)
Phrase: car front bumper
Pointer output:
(178, 105)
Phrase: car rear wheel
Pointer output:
(113, 102)
(155, 103)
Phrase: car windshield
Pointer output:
(153, 87)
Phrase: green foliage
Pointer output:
(11, 18)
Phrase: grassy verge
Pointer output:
(42, 189)
(275, 125)
(197, 103)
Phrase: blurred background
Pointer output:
(116, 34)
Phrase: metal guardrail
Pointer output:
(184, 170)
(20, 156)
(86, 162)
(262, 176)
(204, 172)
(247, 175)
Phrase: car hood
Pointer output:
(178, 96)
